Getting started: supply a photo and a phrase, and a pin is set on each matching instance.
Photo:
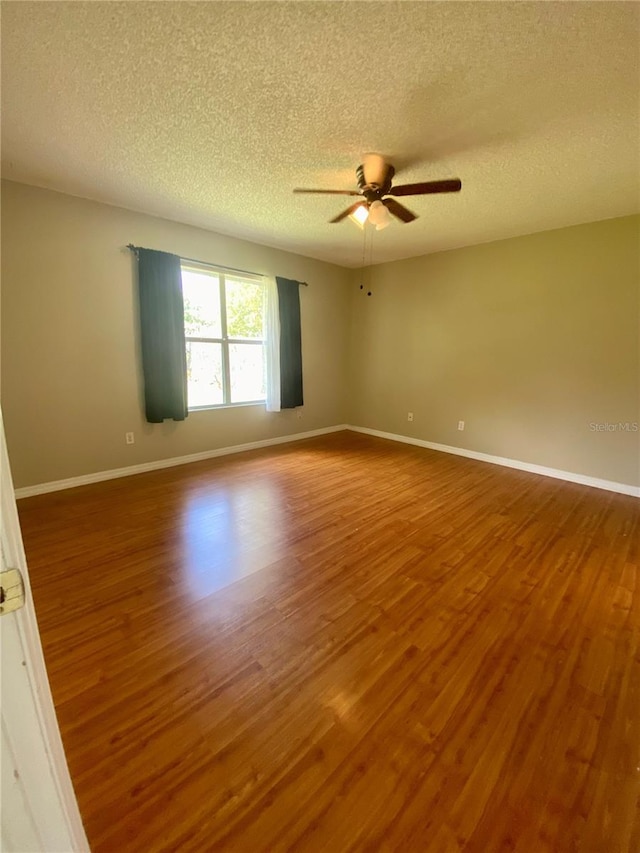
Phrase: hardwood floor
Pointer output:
(344, 644)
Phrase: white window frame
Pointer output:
(225, 340)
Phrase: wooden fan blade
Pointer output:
(453, 185)
(346, 212)
(398, 210)
(328, 192)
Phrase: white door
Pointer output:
(39, 812)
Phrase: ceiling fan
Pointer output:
(374, 178)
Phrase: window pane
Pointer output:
(245, 308)
(204, 374)
(246, 363)
(201, 293)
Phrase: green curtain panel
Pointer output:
(290, 343)
(164, 360)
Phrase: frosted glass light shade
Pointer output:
(360, 215)
(379, 215)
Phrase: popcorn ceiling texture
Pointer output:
(210, 113)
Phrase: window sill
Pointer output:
(227, 406)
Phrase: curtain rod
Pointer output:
(133, 248)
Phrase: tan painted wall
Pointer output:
(71, 386)
(528, 341)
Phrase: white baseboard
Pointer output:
(114, 473)
(569, 476)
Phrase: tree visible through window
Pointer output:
(224, 323)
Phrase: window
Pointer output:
(224, 324)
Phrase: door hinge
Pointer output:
(11, 591)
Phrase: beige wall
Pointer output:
(71, 385)
(528, 341)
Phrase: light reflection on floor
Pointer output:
(228, 533)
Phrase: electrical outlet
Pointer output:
(410, 416)
(129, 438)
(299, 414)
(460, 425)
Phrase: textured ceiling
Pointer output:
(210, 113)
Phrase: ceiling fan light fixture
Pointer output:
(379, 215)
(374, 178)
(360, 215)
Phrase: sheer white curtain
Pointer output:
(272, 346)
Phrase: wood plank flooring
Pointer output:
(344, 644)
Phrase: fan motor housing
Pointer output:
(374, 192)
